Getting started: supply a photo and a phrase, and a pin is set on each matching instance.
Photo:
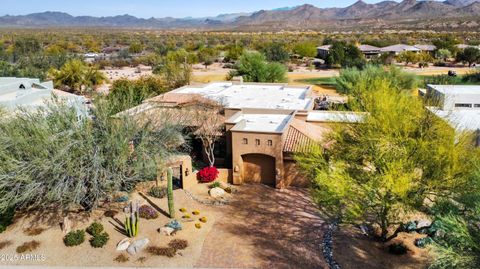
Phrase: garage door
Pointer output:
(259, 168)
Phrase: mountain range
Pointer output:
(382, 15)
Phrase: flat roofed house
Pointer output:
(31, 94)
(459, 105)
(265, 124)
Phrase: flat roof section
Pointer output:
(271, 123)
(269, 96)
(456, 89)
(335, 116)
(462, 120)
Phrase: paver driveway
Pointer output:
(266, 228)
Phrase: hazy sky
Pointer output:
(155, 8)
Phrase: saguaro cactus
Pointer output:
(131, 222)
(171, 207)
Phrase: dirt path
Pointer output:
(266, 228)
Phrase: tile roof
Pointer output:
(297, 141)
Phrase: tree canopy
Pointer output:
(253, 67)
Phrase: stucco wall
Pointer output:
(293, 176)
(239, 149)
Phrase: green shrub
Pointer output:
(74, 238)
(215, 184)
(6, 218)
(95, 229)
(158, 192)
(99, 240)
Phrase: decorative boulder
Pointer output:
(167, 231)
(137, 246)
(174, 224)
(66, 225)
(424, 224)
(217, 192)
(123, 245)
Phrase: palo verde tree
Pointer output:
(383, 168)
(76, 76)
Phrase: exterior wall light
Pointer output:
(187, 172)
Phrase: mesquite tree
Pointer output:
(51, 158)
(209, 122)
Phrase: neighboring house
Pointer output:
(31, 94)
(427, 48)
(265, 124)
(459, 105)
(367, 50)
(399, 48)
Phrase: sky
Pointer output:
(156, 8)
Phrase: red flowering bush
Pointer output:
(208, 174)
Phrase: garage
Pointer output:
(259, 168)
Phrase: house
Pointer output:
(459, 105)
(31, 94)
(426, 47)
(399, 48)
(367, 50)
(265, 126)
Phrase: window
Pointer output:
(270, 143)
(257, 142)
(476, 105)
(463, 105)
(245, 141)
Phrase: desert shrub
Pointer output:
(208, 174)
(95, 229)
(28, 246)
(147, 212)
(397, 249)
(162, 251)
(99, 240)
(33, 231)
(86, 164)
(203, 219)
(158, 192)
(215, 184)
(351, 80)
(6, 218)
(74, 238)
(4, 244)
(178, 244)
(122, 258)
(441, 80)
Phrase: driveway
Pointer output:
(265, 228)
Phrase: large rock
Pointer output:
(137, 246)
(123, 245)
(424, 224)
(217, 192)
(167, 231)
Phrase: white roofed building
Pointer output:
(31, 94)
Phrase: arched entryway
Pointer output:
(259, 168)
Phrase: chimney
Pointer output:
(237, 80)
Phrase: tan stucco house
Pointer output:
(265, 126)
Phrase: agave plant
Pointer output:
(131, 222)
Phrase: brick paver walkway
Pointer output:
(266, 228)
